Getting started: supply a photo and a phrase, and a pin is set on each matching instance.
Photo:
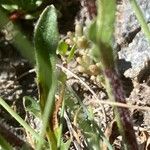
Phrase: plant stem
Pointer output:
(20, 120)
(116, 93)
(46, 38)
(140, 18)
(101, 33)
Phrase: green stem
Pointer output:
(46, 38)
(48, 110)
(140, 18)
(101, 33)
(20, 120)
(4, 144)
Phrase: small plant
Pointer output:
(19, 9)
(46, 41)
(58, 104)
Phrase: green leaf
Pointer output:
(46, 38)
(105, 20)
(4, 145)
(46, 31)
(62, 77)
(62, 48)
(32, 106)
(65, 146)
(20, 120)
(101, 32)
(71, 54)
(92, 32)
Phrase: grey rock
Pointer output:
(138, 51)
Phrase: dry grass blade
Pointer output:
(97, 100)
(83, 83)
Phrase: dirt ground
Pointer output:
(14, 85)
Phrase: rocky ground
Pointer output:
(133, 63)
